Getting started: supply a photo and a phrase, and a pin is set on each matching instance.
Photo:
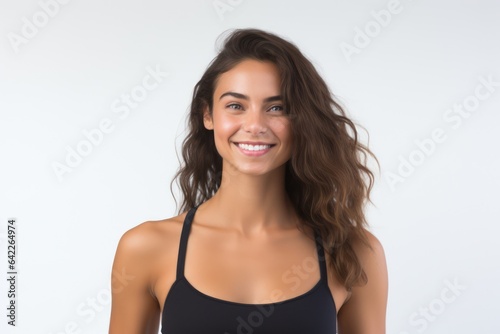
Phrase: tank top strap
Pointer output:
(186, 227)
(321, 257)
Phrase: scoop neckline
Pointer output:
(303, 295)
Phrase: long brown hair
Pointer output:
(327, 178)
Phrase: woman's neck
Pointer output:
(252, 204)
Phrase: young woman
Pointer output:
(271, 236)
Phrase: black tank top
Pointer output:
(189, 311)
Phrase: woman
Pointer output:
(273, 191)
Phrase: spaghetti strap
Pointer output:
(321, 258)
(186, 227)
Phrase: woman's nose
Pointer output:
(255, 121)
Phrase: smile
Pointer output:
(254, 150)
(254, 147)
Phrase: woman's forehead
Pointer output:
(251, 78)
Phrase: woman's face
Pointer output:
(251, 130)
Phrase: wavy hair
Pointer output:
(327, 177)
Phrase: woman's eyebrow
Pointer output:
(245, 97)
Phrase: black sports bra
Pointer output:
(189, 311)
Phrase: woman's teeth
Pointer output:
(254, 147)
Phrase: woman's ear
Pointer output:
(207, 119)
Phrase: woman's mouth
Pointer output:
(254, 150)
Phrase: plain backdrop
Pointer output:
(421, 77)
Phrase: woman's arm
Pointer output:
(134, 309)
(365, 311)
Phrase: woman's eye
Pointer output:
(276, 108)
(234, 106)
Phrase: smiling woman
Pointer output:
(274, 187)
(250, 124)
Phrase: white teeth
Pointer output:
(254, 147)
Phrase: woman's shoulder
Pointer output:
(365, 308)
(371, 245)
(371, 256)
(135, 270)
(148, 238)
(370, 252)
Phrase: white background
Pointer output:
(438, 223)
